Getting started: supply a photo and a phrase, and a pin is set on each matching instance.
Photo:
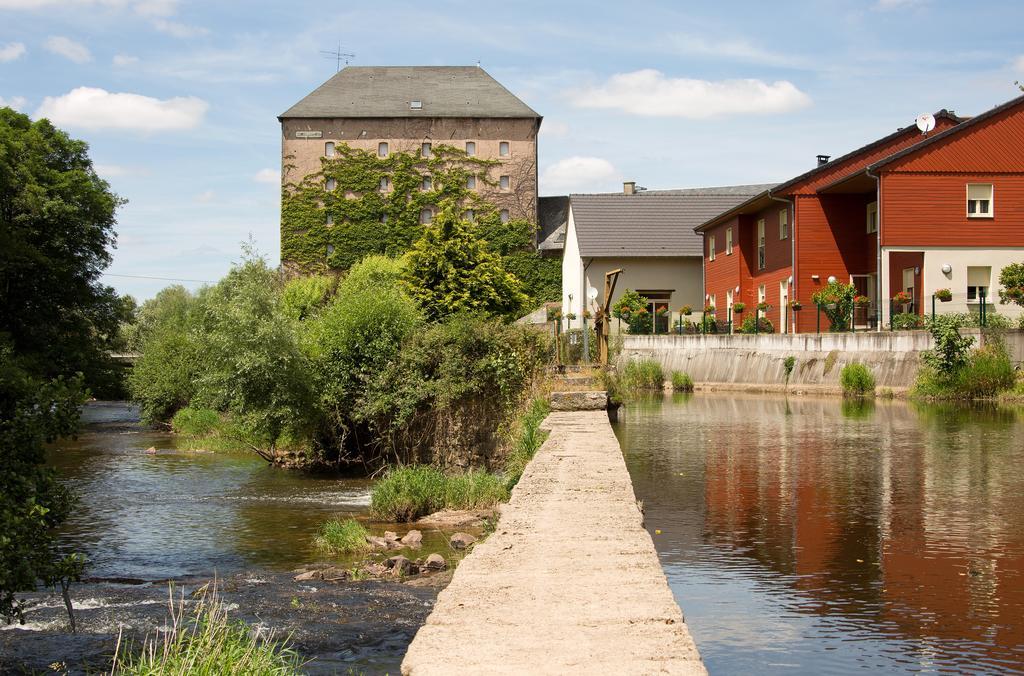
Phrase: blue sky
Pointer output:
(178, 100)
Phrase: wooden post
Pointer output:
(604, 314)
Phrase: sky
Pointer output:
(179, 99)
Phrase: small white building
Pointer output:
(649, 236)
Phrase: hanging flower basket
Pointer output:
(709, 309)
(571, 316)
(796, 305)
(944, 295)
(686, 310)
(764, 307)
(902, 298)
(861, 301)
(738, 307)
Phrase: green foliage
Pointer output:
(304, 297)
(1011, 279)
(682, 382)
(788, 364)
(33, 503)
(342, 537)
(764, 325)
(207, 643)
(642, 374)
(906, 321)
(632, 309)
(408, 492)
(857, 380)
(836, 301)
(572, 345)
(450, 270)
(195, 422)
(989, 371)
(527, 437)
(951, 349)
(56, 231)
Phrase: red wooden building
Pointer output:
(909, 212)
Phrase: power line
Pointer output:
(162, 279)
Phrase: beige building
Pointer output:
(649, 236)
(393, 109)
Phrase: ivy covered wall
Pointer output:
(360, 204)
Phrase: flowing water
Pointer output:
(818, 536)
(150, 511)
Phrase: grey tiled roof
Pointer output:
(552, 213)
(653, 223)
(386, 91)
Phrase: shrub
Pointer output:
(526, 439)
(988, 372)
(304, 297)
(632, 309)
(764, 325)
(195, 422)
(642, 374)
(836, 300)
(682, 382)
(406, 493)
(207, 642)
(906, 321)
(1011, 278)
(788, 364)
(950, 352)
(856, 380)
(342, 537)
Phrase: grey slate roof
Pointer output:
(386, 91)
(652, 223)
(552, 214)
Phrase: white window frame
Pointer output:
(991, 200)
(784, 224)
(383, 149)
(711, 247)
(762, 254)
(470, 148)
(728, 241)
(872, 217)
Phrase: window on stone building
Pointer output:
(504, 183)
(504, 215)
(471, 182)
(329, 220)
(471, 148)
(427, 184)
(426, 216)
(470, 215)
(427, 150)
(503, 149)
(382, 149)
(329, 149)
(331, 184)
(385, 182)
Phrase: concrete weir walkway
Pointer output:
(568, 583)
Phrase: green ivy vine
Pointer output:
(330, 230)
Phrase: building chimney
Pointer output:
(629, 187)
(823, 159)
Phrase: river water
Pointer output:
(819, 536)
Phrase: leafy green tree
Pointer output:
(450, 270)
(32, 502)
(952, 351)
(56, 232)
(632, 309)
(836, 300)
(1011, 279)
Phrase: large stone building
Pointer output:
(385, 110)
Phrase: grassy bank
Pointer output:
(206, 642)
(342, 537)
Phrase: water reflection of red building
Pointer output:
(915, 539)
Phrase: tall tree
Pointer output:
(56, 232)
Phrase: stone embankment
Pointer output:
(568, 583)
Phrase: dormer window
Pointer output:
(979, 200)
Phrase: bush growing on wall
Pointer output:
(857, 380)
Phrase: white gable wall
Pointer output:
(572, 276)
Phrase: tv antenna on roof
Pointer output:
(338, 55)
(926, 122)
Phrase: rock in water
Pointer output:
(435, 562)
(400, 566)
(461, 540)
(308, 575)
(391, 536)
(376, 542)
(412, 539)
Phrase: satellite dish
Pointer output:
(926, 122)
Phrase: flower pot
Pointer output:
(945, 300)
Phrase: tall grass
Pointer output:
(205, 642)
(642, 374)
(682, 382)
(526, 439)
(987, 373)
(409, 492)
(857, 380)
(342, 537)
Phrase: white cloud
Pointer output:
(16, 102)
(92, 108)
(579, 174)
(122, 60)
(178, 30)
(648, 92)
(733, 49)
(897, 4)
(111, 170)
(267, 176)
(11, 51)
(1018, 64)
(68, 48)
(206, 197)
(554, 129)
